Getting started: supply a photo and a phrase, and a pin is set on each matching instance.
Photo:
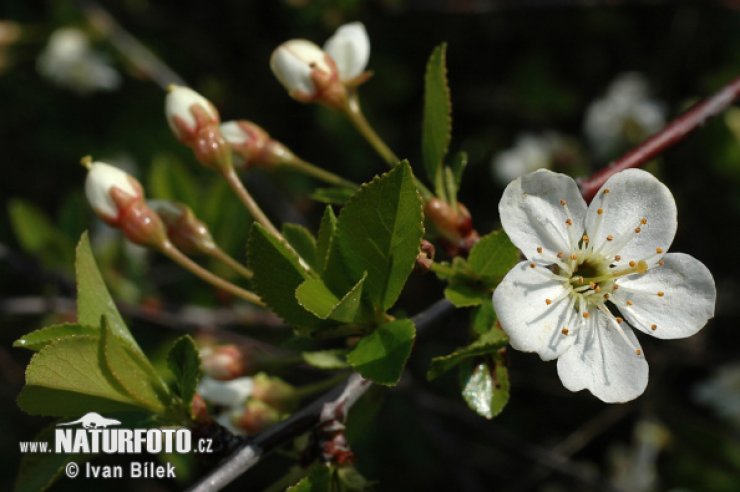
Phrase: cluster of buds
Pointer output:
(195, 122)
(453, 224)
(118, 199)
(312, 74)
(186, 232)
(253, 146)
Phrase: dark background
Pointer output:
(513, 67)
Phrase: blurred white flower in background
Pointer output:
(722, 393)
(69, 62)
(625, 115)
(530, 153)
(634, 468)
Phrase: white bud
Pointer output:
(350, 49)
(233, 133)
(293, 62)
(226, 393)
(101, 179)
(179, 108)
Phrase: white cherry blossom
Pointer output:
(350, 49)
(593, 273)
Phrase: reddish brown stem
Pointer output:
(676, 131)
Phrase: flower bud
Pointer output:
(188, 112)
(186, 232)
(226, 393)
(455, 226)
(308, 73)
(222, 362)
(349, 47)
(118, 199)
(274, 391)
(256, 416)
(253, 145)
(194, 121)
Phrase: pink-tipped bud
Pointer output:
(224, 362)
(253, 146)
(274, 391)
(118, 199)
(184, 230)
(188, 112)
(308, 73)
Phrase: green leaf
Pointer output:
(94, 300)
(382, 355)
(169, 179)
(317, 481)
(66, 378)
(484, 319)
(38, 471)
(466, 295)
(184, 363)
(332, 196)
(327, 229)
(379, 231)
(485, 386)
(37, 234)
(492, 257)
(38, 339)
(277, 274)
(326, 359)
(488, 343)
(437, 123)
(302, 241)
(136, 376)
(315, 296)
(458, 165)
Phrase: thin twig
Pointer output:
(676, 131)
(131, 48)
(342, 396)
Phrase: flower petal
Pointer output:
(603, 363)
(292, 63)
(533, 325)
(350, 49)
(683, 308)
(632, 195)
(532, 215)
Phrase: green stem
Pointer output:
(354, 113)
(169, 250)
(254, 210)
(312, 170)
(221, 255)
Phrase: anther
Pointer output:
(597, 289)
(592, 285)
(565, 330)
(606, 296)
(610, 238)
(661, 293)
(638, 352)
(629, 303)
(617, 258)
(606, 191)
(600, 211)
(653, 327)
(637, 230)
(560, 254)
(532, 265)
(632, 263)
(573, 256)
(563, 203)
(585, 238)
(569, 222)
(616, 286)
(619, 319)
(548, 301)
(661, 262)
(643, 220)
(586, 314)
(539, 249)
(659, 250)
